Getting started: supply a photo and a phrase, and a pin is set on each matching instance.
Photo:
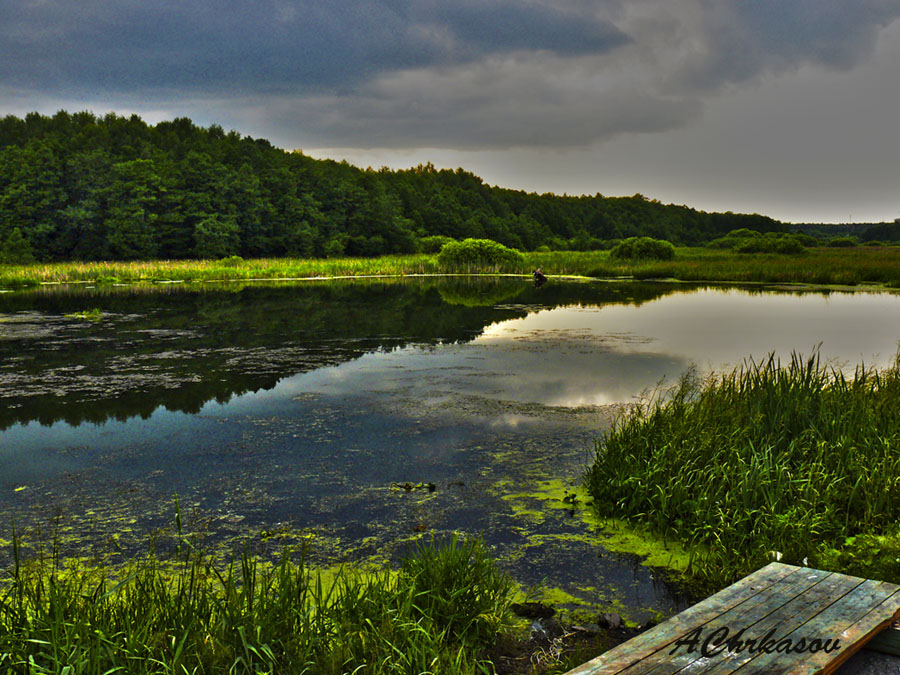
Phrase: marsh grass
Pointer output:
(821, 266)
(436, 614)
(792, 459)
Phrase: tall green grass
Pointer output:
(850, 266)
(768, 458)
(436, 614)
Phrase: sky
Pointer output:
(786, 108)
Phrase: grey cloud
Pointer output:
(407, 73)
(526, 26)
(269, 45)
(738, 41)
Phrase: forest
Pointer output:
(76, 186)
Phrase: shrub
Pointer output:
(772, 242)
(434, 244)
(807, 240)
(643, 248)
(789, 245)
(842, 242)
(482, 254)
(743, 233)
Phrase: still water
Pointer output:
(358, 416)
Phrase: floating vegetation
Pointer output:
(409, 487)
(94, 314)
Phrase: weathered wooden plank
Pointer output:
(854, 621)
(659, 637)
(786, 612)
(776, 604)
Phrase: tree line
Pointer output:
(82, 187)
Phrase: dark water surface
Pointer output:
(360, 415)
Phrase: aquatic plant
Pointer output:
(766, 458)
(94, 314)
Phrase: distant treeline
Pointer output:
(864, 232)
(81, 187)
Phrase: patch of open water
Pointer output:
(360, 416)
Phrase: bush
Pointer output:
(842, 242)
(789, 245)
(643, 248)
(743, 233)
(484, 254)
(807, 240)
(434, 244)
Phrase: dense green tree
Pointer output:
(216, 237)
(81, 187)
(132, 195)
(15, 249)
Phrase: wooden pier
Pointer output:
(780, 619)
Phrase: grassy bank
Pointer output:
(843, 266)
(438, 613)
(819, 266)
(795, 461)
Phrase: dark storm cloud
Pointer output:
(500, 26)
(414, 73)
(268, 45)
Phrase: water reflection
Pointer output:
(298, 406)
(182, 347)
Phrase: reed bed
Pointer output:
(818, 266)
(821, 266)
(765, 462)
(436, 614)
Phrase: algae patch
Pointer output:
(611, 534)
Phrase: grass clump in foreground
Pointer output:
(441, 610)
(798, 460)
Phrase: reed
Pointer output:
(820, 266)
(444, 606)
(767, 461)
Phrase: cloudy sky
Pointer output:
(783, 107)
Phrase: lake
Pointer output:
(358, 416)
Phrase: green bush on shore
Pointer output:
(643, 248)
(434, 244)
(478, 254)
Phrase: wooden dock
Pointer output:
(780, 619)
